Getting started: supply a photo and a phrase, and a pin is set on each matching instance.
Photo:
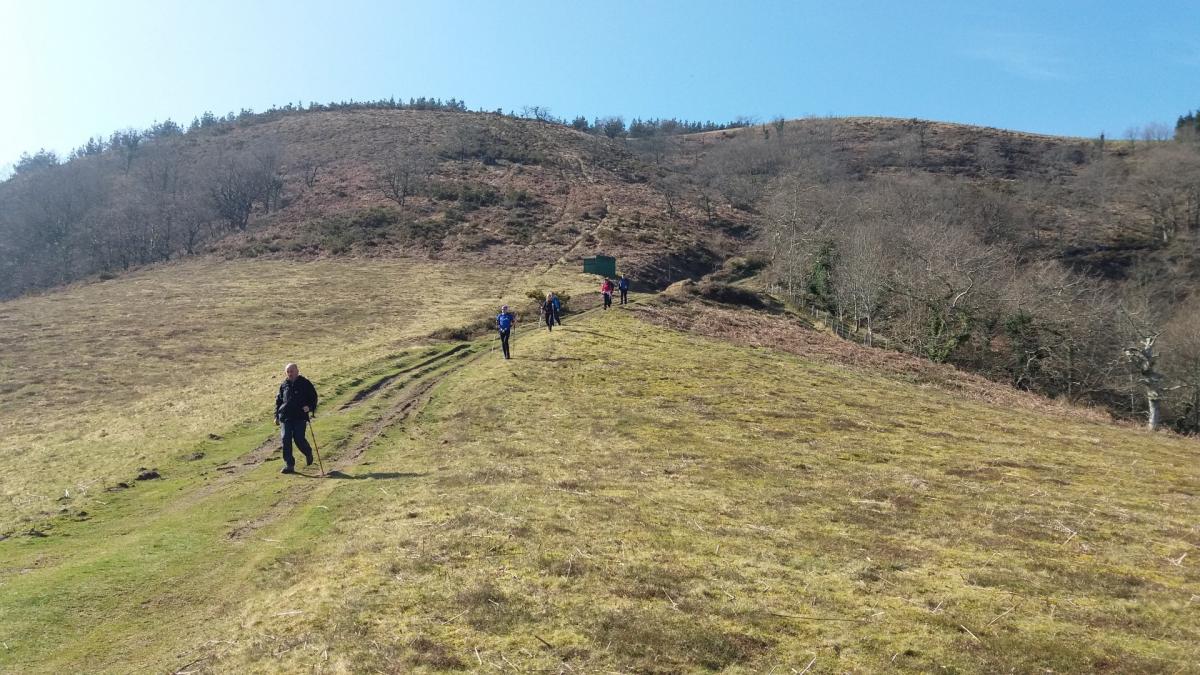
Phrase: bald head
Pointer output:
(292, 371)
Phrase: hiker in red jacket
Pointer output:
(606, 289)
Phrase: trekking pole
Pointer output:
(313, 431)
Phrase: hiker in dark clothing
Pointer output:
(606, 289)
(623, 286)
(556, 305)
(504, 323)
(296, 400)
(548, 313)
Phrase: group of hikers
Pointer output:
(550, 310)
(607, 287)
(296, 402)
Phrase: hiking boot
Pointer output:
(287, 469)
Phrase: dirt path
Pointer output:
(411, 395)
(428, 365)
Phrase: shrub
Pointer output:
(738, 268)
(538, 296)
(474, 196)
(341, 233)
(470, 196)
(521, 227)
(518, 199)
(730, 295)
(465, 332)
(488, 146)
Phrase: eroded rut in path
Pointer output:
(410, 395)
(428, 365)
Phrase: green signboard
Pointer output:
(602, 264)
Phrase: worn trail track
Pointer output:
(426, 366)
(399, 397)
(234, 469)
(409, 396)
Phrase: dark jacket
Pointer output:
(292, 397)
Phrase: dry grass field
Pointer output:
(625, 495)
(99, 380)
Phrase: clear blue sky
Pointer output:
(71, 69)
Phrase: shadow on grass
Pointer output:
(589, 332)
(374, 475)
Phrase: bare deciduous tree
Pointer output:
(801, 221)
(1168, 188)
(54, 206)
(537, 112)
(861, 271)
(1143, 311)
(1181, 363)
(238, 180)
(403, 173)
(1144, 360)
(1058, 326)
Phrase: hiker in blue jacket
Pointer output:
(623, 286)
(556, 305)
(504, 323)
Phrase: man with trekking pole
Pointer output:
(504, 324)
(296, 400)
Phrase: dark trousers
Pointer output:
(293, 430)
(607, 300)
(624, 296)
(558, 317)
(504, 341)
(549, 319)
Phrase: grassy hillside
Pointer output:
(102, 379)
(622, 495)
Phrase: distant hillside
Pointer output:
(484, 181)
(1063, 266)
(1033, 259)
(483, 186)
(713, 478)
